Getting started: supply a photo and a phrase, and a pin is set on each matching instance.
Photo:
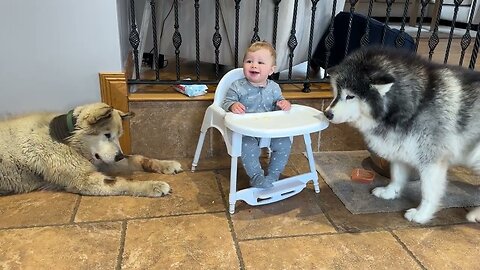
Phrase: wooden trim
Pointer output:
(168, 97)
(114, 92)
(139, 97)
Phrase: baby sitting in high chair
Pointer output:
(256, 93)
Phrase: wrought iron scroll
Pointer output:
(134, 39)
(350, 20)
(155, 42)
(330, 39)
(366, 37)
(237, 23)
(197, 39)
(420, 23)
(275, 22)
(434, 40)
(257, 18)
(452, 28)
(292, 40)
(473, 59)
(306, 86)
(387, 19)
(177, 40)
(217, 38)
(400, 40)
(467, 38)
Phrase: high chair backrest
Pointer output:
(224, 84)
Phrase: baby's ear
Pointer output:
(272, 70)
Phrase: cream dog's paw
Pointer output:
(166, 166)
(158, 189)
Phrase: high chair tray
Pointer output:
(298, 120)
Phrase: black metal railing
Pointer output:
(329, 40)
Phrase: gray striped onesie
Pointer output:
(259, 99)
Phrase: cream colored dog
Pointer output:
(77, 152)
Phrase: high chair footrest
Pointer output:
(281, 189)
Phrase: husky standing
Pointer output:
(418, 115)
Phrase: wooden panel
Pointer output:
(114, 92)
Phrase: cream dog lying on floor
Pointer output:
(77, 152)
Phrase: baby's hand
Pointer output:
(284, 105)
(238, 108)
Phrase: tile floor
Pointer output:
(191, 229)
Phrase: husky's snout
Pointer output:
(328, 114)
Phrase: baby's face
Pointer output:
(257, 66)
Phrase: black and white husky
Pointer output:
(421, 116)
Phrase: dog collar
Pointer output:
(71, 121)
(62, 126)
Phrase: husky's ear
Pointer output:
(99, 114)
(381, 81)
(126, 115)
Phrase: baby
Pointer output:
(256, 93)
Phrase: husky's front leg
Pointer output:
(399, 173)
(141, 163)
(98, 183)
(433, 179)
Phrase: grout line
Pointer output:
(315, 234)
(325, 213)
(107, 221)
(409, 252)
(121, 249)
(230, 223)
(299, 236)
(150, 217)
(75, 209)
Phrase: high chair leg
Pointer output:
(196, 157)
(311, 161)
(232, 198)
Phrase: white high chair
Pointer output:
(300, 120)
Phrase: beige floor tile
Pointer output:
(297, 215)
(184, 242)
(374, 250)
(299, 162)
(191, 193)
(450, 247)
(86, 246)
(36, 208)
(214, 163)
(341, 137)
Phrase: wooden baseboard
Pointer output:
(114, 92)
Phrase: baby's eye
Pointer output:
(248, 61)
(261, 63)
(349, 97)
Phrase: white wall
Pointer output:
(51, 52)
(123, 7)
